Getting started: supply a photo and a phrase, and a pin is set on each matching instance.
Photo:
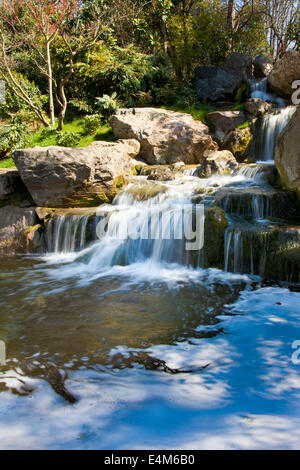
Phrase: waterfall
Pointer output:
(255, 173)
(246, 205)
(67, 233)
(147, 221)
(259, 90)
(245, 250)
(271, 125)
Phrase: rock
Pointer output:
(238, 142)
(10, 182)
(262, 66)
(286, 70)
(287, 154)
(165, 136)
(217, 162)
(76, 177)
(216, 224)
(256, 107)
(225, 121)
(14, 228)
(178, 166)
(222, 83)
(239, 65)
(164, 174)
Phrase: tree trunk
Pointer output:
(50, 84)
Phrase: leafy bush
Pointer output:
(91, 123)
(47, 132)
(67, 139)
(107, 105)
(14, 104)
(12, 137)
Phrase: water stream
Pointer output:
(120, 335)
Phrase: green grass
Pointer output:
(7, 163)
(198, 111)
(104, 133)
(244, 125)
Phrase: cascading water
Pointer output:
(68, 233)
(259, 90)
(271, 126)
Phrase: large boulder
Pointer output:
(165, 136)
(222, 83)
(225, 121)
(10, 182)
(76, 177)
(262, 66)
(239, 65)
(287, 154)
(217, 162)
(286, 70)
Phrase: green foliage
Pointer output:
(92, 123)
(13, 136)
(107, 105)
(67, 139)
(7, 163)
(106, 70)
(13, 104)
(48, 136)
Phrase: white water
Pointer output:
(272, 125)
(259, 90)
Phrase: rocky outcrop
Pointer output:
(287, 154)
(215, 227)
(257, 107)
(165, 136)
(217, 162)
(222, 83)
(224, 121)
(20, 230)
(286, 70)
(10, 183)
(262, 66)
(238, 142)
(76, 177)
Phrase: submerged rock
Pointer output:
(76, 177)
(287, 154)
(165, 136)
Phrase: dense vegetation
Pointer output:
(69, 64)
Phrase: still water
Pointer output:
(150, 355)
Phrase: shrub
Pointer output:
(67, 139)
(107, 105)
(13, 137)
(92, 123)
